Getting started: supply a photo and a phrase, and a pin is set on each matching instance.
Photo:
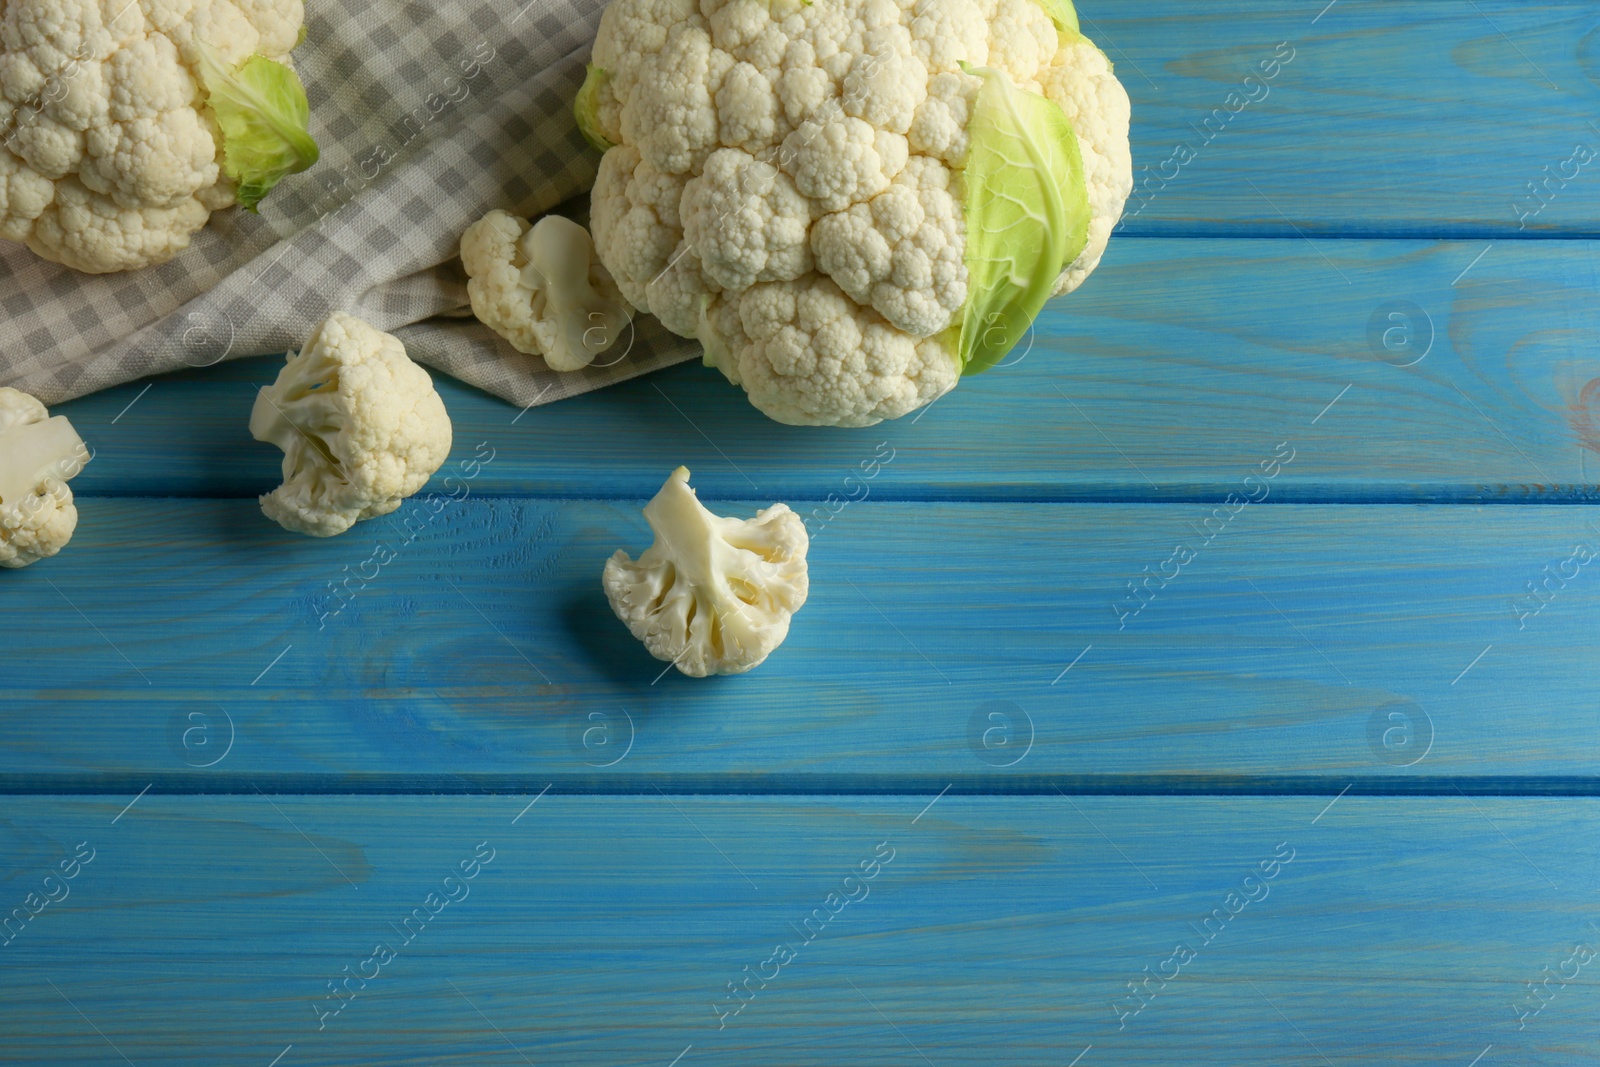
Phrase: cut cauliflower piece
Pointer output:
(712, 595)
(124, 125)
(542, 289)
(38, 456)
(360, 425)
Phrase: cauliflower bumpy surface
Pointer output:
(360, 425)
(712, 595)
(784, 181)
(113, 153)
(38, 454)
(542, 288)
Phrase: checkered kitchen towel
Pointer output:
(428, 115)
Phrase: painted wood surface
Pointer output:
(1358, 653)
(1298, 640)
(604, 929)
(1168, 376)
(1360, 117)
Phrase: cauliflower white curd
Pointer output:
(126, 123)
(786, 181)
(360, 425)
(38, 455)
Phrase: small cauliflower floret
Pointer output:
(748, 109)
(541, 288)
(38, 455)
(360, 425)
(712, 595)
(900, 253)
(839, 161)
(634, 212)
(747, 221)
(1022, 39)
(947, 33)
(126, 124)
(671, 115)
(940, 126)
(814, 357)
(677, 294)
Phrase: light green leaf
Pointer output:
(262, 110)
(1062, 13)
(586, 108)
(1027, 215)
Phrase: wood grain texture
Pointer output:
(486, 648)
(1420, 118)
(1167, 377)
(1401, 931)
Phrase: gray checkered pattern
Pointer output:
(428, 116)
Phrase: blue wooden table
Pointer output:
(1085, 750)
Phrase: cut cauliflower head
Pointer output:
(785, 180)
(38, 455)
(360, 425)
(542, 289)
(124, 125)
(712, 595)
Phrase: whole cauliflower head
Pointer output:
(123, 125)
(38, 455)
(542, 288)
(712, 595)
(360, 425)
(788, 182)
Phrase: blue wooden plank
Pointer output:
(1393, 643)
(1360, 117)
(604, 930)
(1442, 371)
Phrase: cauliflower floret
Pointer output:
(947, 33)
(747, 109)
(541, 288)
(747, 221)
(787, 182)
(1079, 81)
(712, 595)
(112, 154)
(940, 126)
(360, 425)
(814, 357)
(631, 33)
(634, 212)
(839, 161)
(1021, 40)
(671, 115)
(678, 292)
(901, 252)
(38, 455)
